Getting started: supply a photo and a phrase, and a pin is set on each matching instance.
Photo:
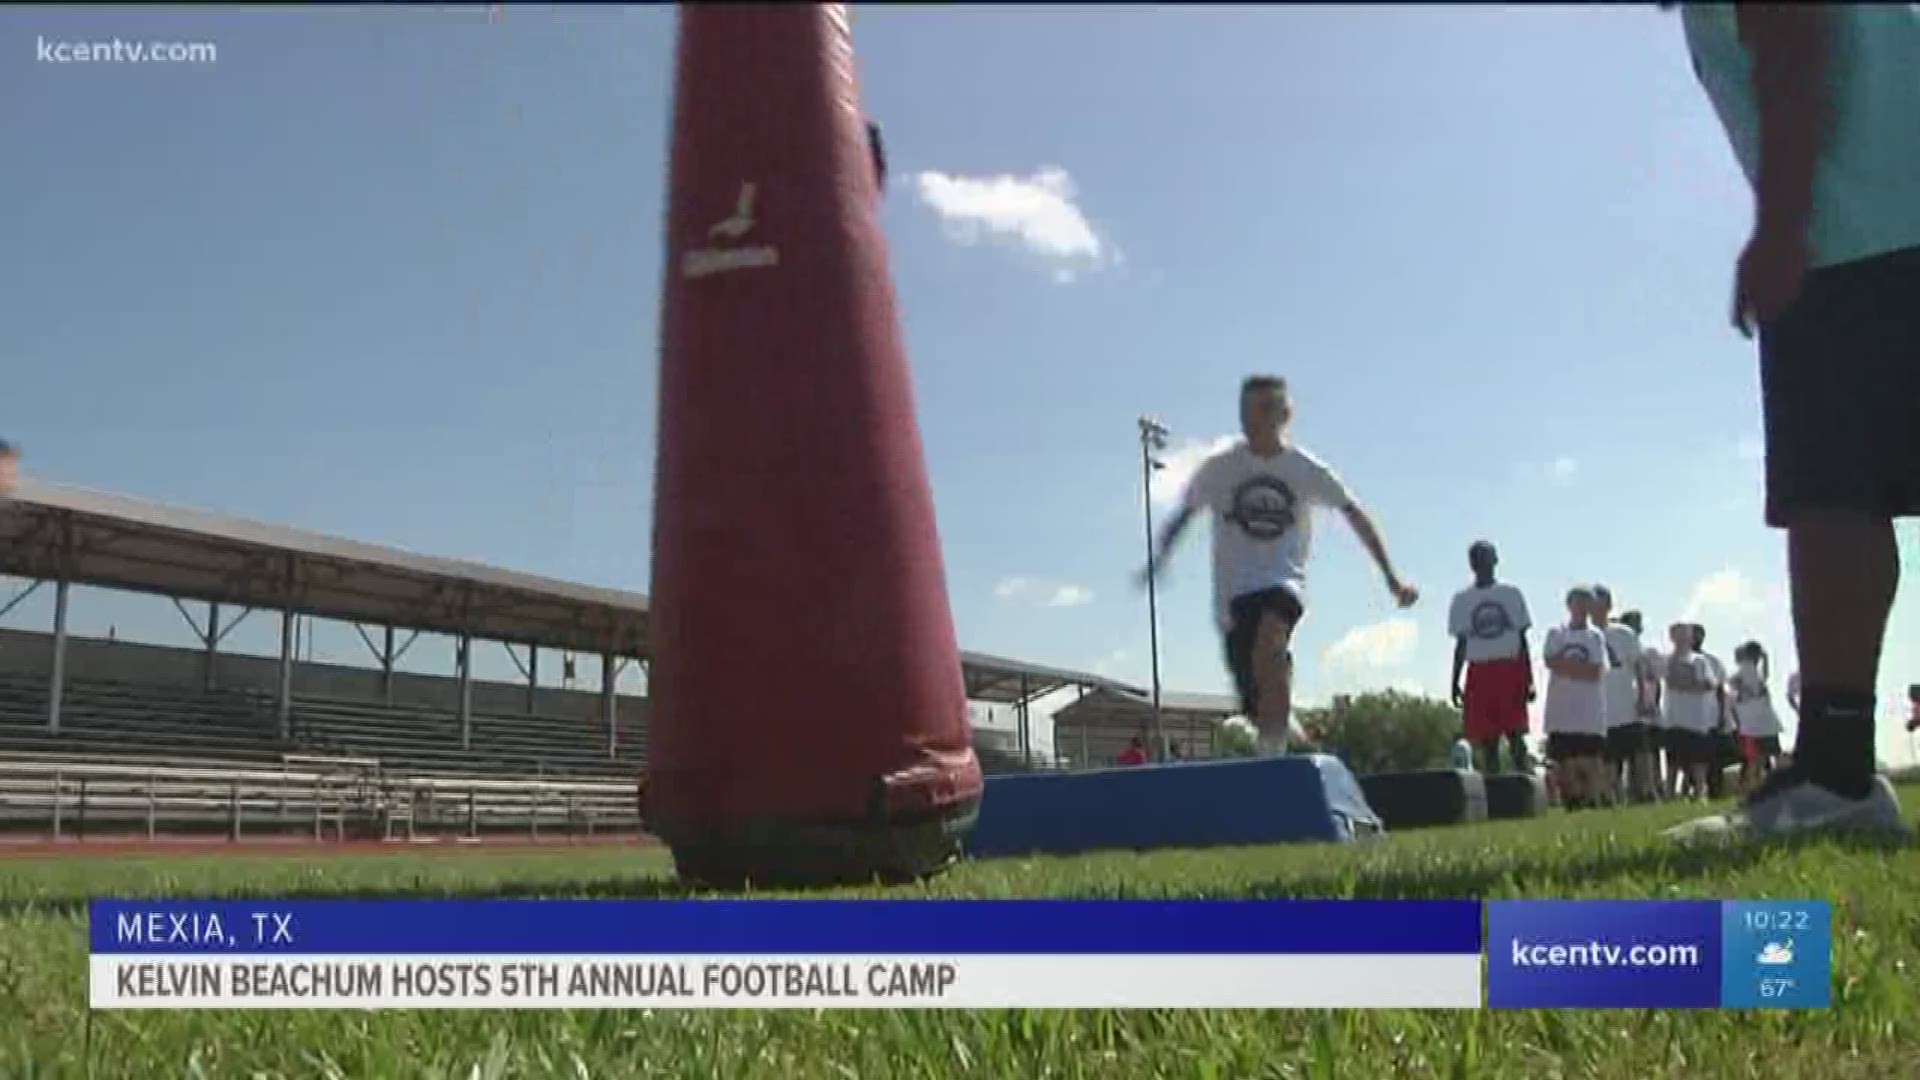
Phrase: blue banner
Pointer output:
(787, 927)
(1658, 954)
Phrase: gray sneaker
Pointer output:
(1795, 805)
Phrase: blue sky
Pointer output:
(392, 274)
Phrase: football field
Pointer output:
(1870, 1032)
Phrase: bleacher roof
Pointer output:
(999, 681)
(125, 543)
(1124, 710)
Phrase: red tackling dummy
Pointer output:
(809, 721)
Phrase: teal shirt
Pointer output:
(1866, 191)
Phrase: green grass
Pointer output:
(1869, 1033)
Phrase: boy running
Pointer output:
(1262, 492)
(1489, 624)
(1576, 716)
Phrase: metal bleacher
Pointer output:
(154, 760)
(427, 743)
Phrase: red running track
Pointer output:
(110, 846)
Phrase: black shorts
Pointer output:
(1628, 741)
(1840, 392)
(1687, 749)
(1768, 747)
(1565, 746)
(1243, 630)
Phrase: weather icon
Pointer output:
(1777, 953)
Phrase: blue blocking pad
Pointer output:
(1194, 804)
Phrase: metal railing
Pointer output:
(71, 799)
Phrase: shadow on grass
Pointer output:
(1464, 876)
(1473, 877)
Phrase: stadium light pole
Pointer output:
(1153, 438)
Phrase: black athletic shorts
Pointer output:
(1628, 741)
(1840, 392)
(1768, 747)
(1244, 615)
(1687, 749)
(1565, 746)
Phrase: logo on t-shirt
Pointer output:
(1263, 507)
(1575, 650)
(1490, 619)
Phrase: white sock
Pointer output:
(1273, 745)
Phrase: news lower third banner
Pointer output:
(959, 954)
(769, 954)
(1703, 954)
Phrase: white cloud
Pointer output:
(1181, 462)
(1109, 665)
(1070, 596)
(1045, 593)
(1725, 596)
(1012, 587)
(1563, 470)
(1038, 213)
(1374, 647)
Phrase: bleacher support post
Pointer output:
(610, 702)
(212, 642)
(233, 810)
(386, 667)
(533, 679)
(59, 784)
(285, 704)
(57, 679)
(466, 692)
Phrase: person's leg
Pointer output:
(1840, 372)
(1676, 786)
(1486, 754)
(1599, 778)
(1273, 675)
(1517, 749)
(1844, 569)
(1242, 627)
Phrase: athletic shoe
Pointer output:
(1787, 802)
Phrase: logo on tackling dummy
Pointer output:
(1263, 507)
(704, 262)
(1490, 620)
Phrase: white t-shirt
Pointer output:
(1656, 675)
(1752, 704)
(1690, 704)
(1621, 682)
(1491, 619)
(1262, 517)
(1722, 710)
(1652, 666)
(1575, 706)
